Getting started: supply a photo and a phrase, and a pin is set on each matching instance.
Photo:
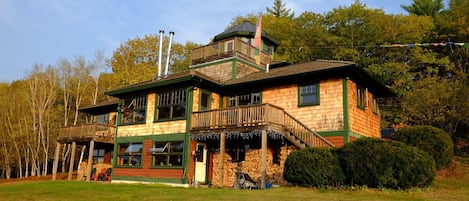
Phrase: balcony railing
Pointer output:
(218, 50)
(258, 115)
(96, 132)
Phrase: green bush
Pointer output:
(433, 140)
(313, 167)
(390, 164)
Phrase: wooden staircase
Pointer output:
(269, 116)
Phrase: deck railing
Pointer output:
(257, 115)
(219, 49)
(101, 132)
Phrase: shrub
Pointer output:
(313, 167)
(390, 164)
(433, 140)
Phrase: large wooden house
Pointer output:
(235, 110)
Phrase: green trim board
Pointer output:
(187, 138)
(159, 137)
(346, 113)
(234, 69)
(146, 179)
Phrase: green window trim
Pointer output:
(171, 105)
(167, 154)
(129, 155)
(308, 94)
(133, 110)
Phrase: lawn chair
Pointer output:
(108, 174)
(102, 175)
(244, 181)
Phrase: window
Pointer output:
(130, 154)
(101, 119)
(98, 156)
(361, 97)
(308, 94)
(205, 100)
(244, 99)
(133, 110)
(167, 153)
(375, 106)
(229, 46)
(172, 105)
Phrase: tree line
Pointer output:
(430, 82)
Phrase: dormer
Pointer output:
(232, 55)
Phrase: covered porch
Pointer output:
(256, 136)
(98, 138)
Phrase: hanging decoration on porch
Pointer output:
(236, 135)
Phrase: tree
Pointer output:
(425, 7)
(136, 60)
(279, 10)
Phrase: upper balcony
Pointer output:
(226, 49)
(83, 133)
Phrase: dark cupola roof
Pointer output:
(245, 29)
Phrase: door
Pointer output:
(201, 163)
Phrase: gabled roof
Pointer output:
(245, 29)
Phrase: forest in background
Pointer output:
(423, 57)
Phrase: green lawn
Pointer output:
(453, 185)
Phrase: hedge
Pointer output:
(313, 167)
(378, 163)
(433, 140)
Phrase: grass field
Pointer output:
(451, 184)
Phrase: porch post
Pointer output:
(264, 158)
(90, 161)
(56, 161)
(83, 148)
(72, 160)
(220, 159)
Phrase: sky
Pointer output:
(45, 31)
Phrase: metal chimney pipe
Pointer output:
(171, 34)
(160, 53)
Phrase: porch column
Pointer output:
(72, 160)
(220, 160)
(90, 161)
(264, 158)
(56, 161)
(83, 148)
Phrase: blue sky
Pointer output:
(45, 31)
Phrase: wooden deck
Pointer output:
(218, 50)
(85, 133)
(257, 117)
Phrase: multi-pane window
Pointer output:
(172, 105)
(308, 94)
(205, 100)
(133, 109)
(129, 154)
(98, 156)
(361, 97)
(375, 106)
(101, 119)
(167, 153)
(244, 99)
